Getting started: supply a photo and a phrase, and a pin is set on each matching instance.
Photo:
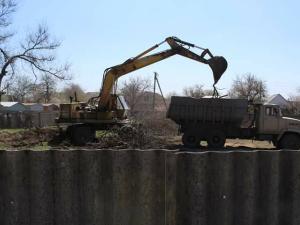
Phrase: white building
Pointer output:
(278, 99)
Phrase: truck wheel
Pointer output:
(216, 139)
(190, 140)
(290, 141)
(82, 134)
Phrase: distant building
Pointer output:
(34, 107)
(12, 107)
(91, 94)
(7, 98)
(50, 107)
(278, 99)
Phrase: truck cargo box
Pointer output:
(185, 110)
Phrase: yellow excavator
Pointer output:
(108, 109)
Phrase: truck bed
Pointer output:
(184, 110)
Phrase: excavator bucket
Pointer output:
(218, 64)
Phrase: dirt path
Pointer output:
(49, 138)
(175, 142)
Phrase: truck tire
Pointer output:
(290, 141)
(216, 139)
(81, 134)
(190, 140)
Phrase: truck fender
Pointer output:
(287, 131)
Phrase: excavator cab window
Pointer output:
(121, 103)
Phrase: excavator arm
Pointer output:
(218, 64)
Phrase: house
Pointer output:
(278, 99)
(34, 107)
(50, 107)
(7, 98)
(12, 107)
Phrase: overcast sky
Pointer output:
(261, 37)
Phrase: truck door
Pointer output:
(270, 120)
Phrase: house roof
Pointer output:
(49, 104)
(278, 99)
(30, 104)
(9, 104)
(272, 97)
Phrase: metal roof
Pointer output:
(9, 104)
(30, 104)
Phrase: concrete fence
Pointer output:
(149, 187)
(27, 119)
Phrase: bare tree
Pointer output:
(7, 7)
(170, 94)
(134, 89)
(21, 88)
(35, 53)
(48, 86)
(45, 89)
(250, 87)
(197, 91)
(70, 90)
(37, 94)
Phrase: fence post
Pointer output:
(40, 121)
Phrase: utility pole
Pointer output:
(154, 90)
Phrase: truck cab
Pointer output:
(284, 132)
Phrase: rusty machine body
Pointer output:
(108, 109)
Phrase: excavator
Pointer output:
(108, 109)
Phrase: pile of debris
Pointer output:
(134, 136)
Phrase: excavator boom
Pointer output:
(218, 64)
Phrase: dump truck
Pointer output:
(108, 108)
(216, 119)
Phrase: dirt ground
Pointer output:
(51, 138)
(231, 144)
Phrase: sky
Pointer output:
(258, 37)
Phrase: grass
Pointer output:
(35, 139)
(41, 147)
(12, 130)
(100, 133)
